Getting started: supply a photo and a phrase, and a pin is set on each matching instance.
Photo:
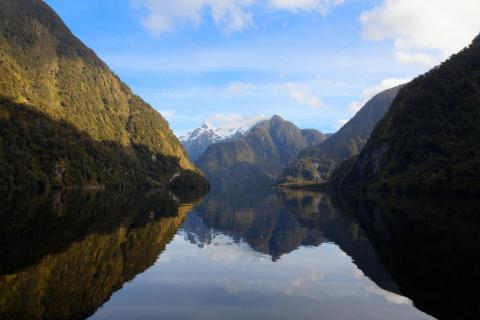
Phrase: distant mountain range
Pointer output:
(197, 141)
(316, 164)
(259, 155)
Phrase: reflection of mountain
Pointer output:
(278, 222)
(342, 228)
(258, 218)
(429, 246)
(103, 241)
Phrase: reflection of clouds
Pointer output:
(320, 273)
(372, 287)
(389, 296)
(303, 284)
(228, 253)
(357, 273)
(223, 249)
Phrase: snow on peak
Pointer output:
(228, 128)
(206, 126)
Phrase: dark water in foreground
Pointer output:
(242, 254)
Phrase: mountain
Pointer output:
(428, 141)
(316, 164)
(259, 156)
(197, 141)
(67, 120)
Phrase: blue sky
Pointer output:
(314, 62)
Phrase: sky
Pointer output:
(313, 62)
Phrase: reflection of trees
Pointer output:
(104, 240)
(277, 222)
(317, 211)
(255, 216)
(429, 246)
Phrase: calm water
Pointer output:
(239, 254)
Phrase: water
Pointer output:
(237, 254)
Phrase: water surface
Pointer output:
(237, 254)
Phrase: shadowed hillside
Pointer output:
(259, 156)
(316, 164)
(47, 73)
(428, 141)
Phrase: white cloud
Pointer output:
(303, 96)
(233, 120)
(321, 6)
(424, 32)
(240, 88)
(340, 123)
(163, 15)
(168, 114)
(229, 15)
(370, 92)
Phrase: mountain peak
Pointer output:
(277, 118)
(206, 126)
(198, 140)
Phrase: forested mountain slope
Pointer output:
(428, 141)
(66, 119)
(316, 164)
(259, 156)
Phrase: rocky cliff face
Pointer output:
(316, 164)
(428, 141)
(66, 118)
(259, 156)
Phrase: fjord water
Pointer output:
(237, 254)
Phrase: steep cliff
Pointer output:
(428, 141)
(65, 118)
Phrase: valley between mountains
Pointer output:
(68, 121)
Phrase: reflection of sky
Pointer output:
(229, 281)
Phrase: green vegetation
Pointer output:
(88, 245)
(428, 141)
(316, 164)
(259, 156)
(67, 120)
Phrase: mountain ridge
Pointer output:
(53, 85)
(259, 156)
(198, 140)
(428, 141)
(315, 165)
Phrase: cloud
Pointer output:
(229, 15)
(303, 96)
(370, 92)
(233, 120)
(321, 6)
(240, 88)
(340, 123)
(168, 114)
(163, 16)
(424, 32)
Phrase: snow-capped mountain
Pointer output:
(197, 141)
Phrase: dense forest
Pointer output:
(67, 120)
(428, 141)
